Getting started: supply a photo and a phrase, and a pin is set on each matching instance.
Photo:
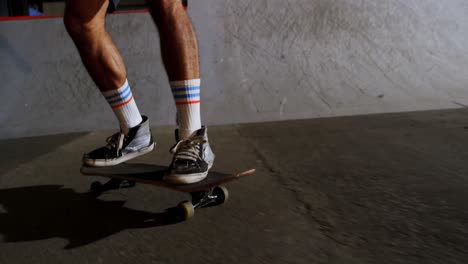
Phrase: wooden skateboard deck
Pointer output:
(154, 175)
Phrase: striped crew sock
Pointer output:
(187, 98)
(124, 107)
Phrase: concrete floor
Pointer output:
(387, 188)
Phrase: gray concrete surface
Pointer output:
(261, 61)
(389, 188)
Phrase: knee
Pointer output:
(78, 28)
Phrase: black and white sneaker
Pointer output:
(193, 158)
(121, 148)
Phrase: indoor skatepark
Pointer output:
(353, 114)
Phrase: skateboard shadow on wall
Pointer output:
(49, 211)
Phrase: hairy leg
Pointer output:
(179, 47)
(85, 22)
(179, 51)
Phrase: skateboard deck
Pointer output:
(154, 175)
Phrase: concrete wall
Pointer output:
(261, 60)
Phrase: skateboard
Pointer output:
(206, 193)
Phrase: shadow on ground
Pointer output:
(13, 154)
(47, 211)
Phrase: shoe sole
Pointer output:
(113, 162)
(187, 179)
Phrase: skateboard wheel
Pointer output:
(186, 209)
(127, 184)
(95, 186)
(131, 184)
(221, 193)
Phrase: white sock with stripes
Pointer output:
(124, 107)
(187, 98)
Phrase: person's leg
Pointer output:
(192, 156)
(179, 51)
(85, 22)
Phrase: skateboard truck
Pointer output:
(112, 184)
(201, 199)
(215, 196)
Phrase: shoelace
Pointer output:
(115, 141)
(188, 149)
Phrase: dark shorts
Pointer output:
(112, 6)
